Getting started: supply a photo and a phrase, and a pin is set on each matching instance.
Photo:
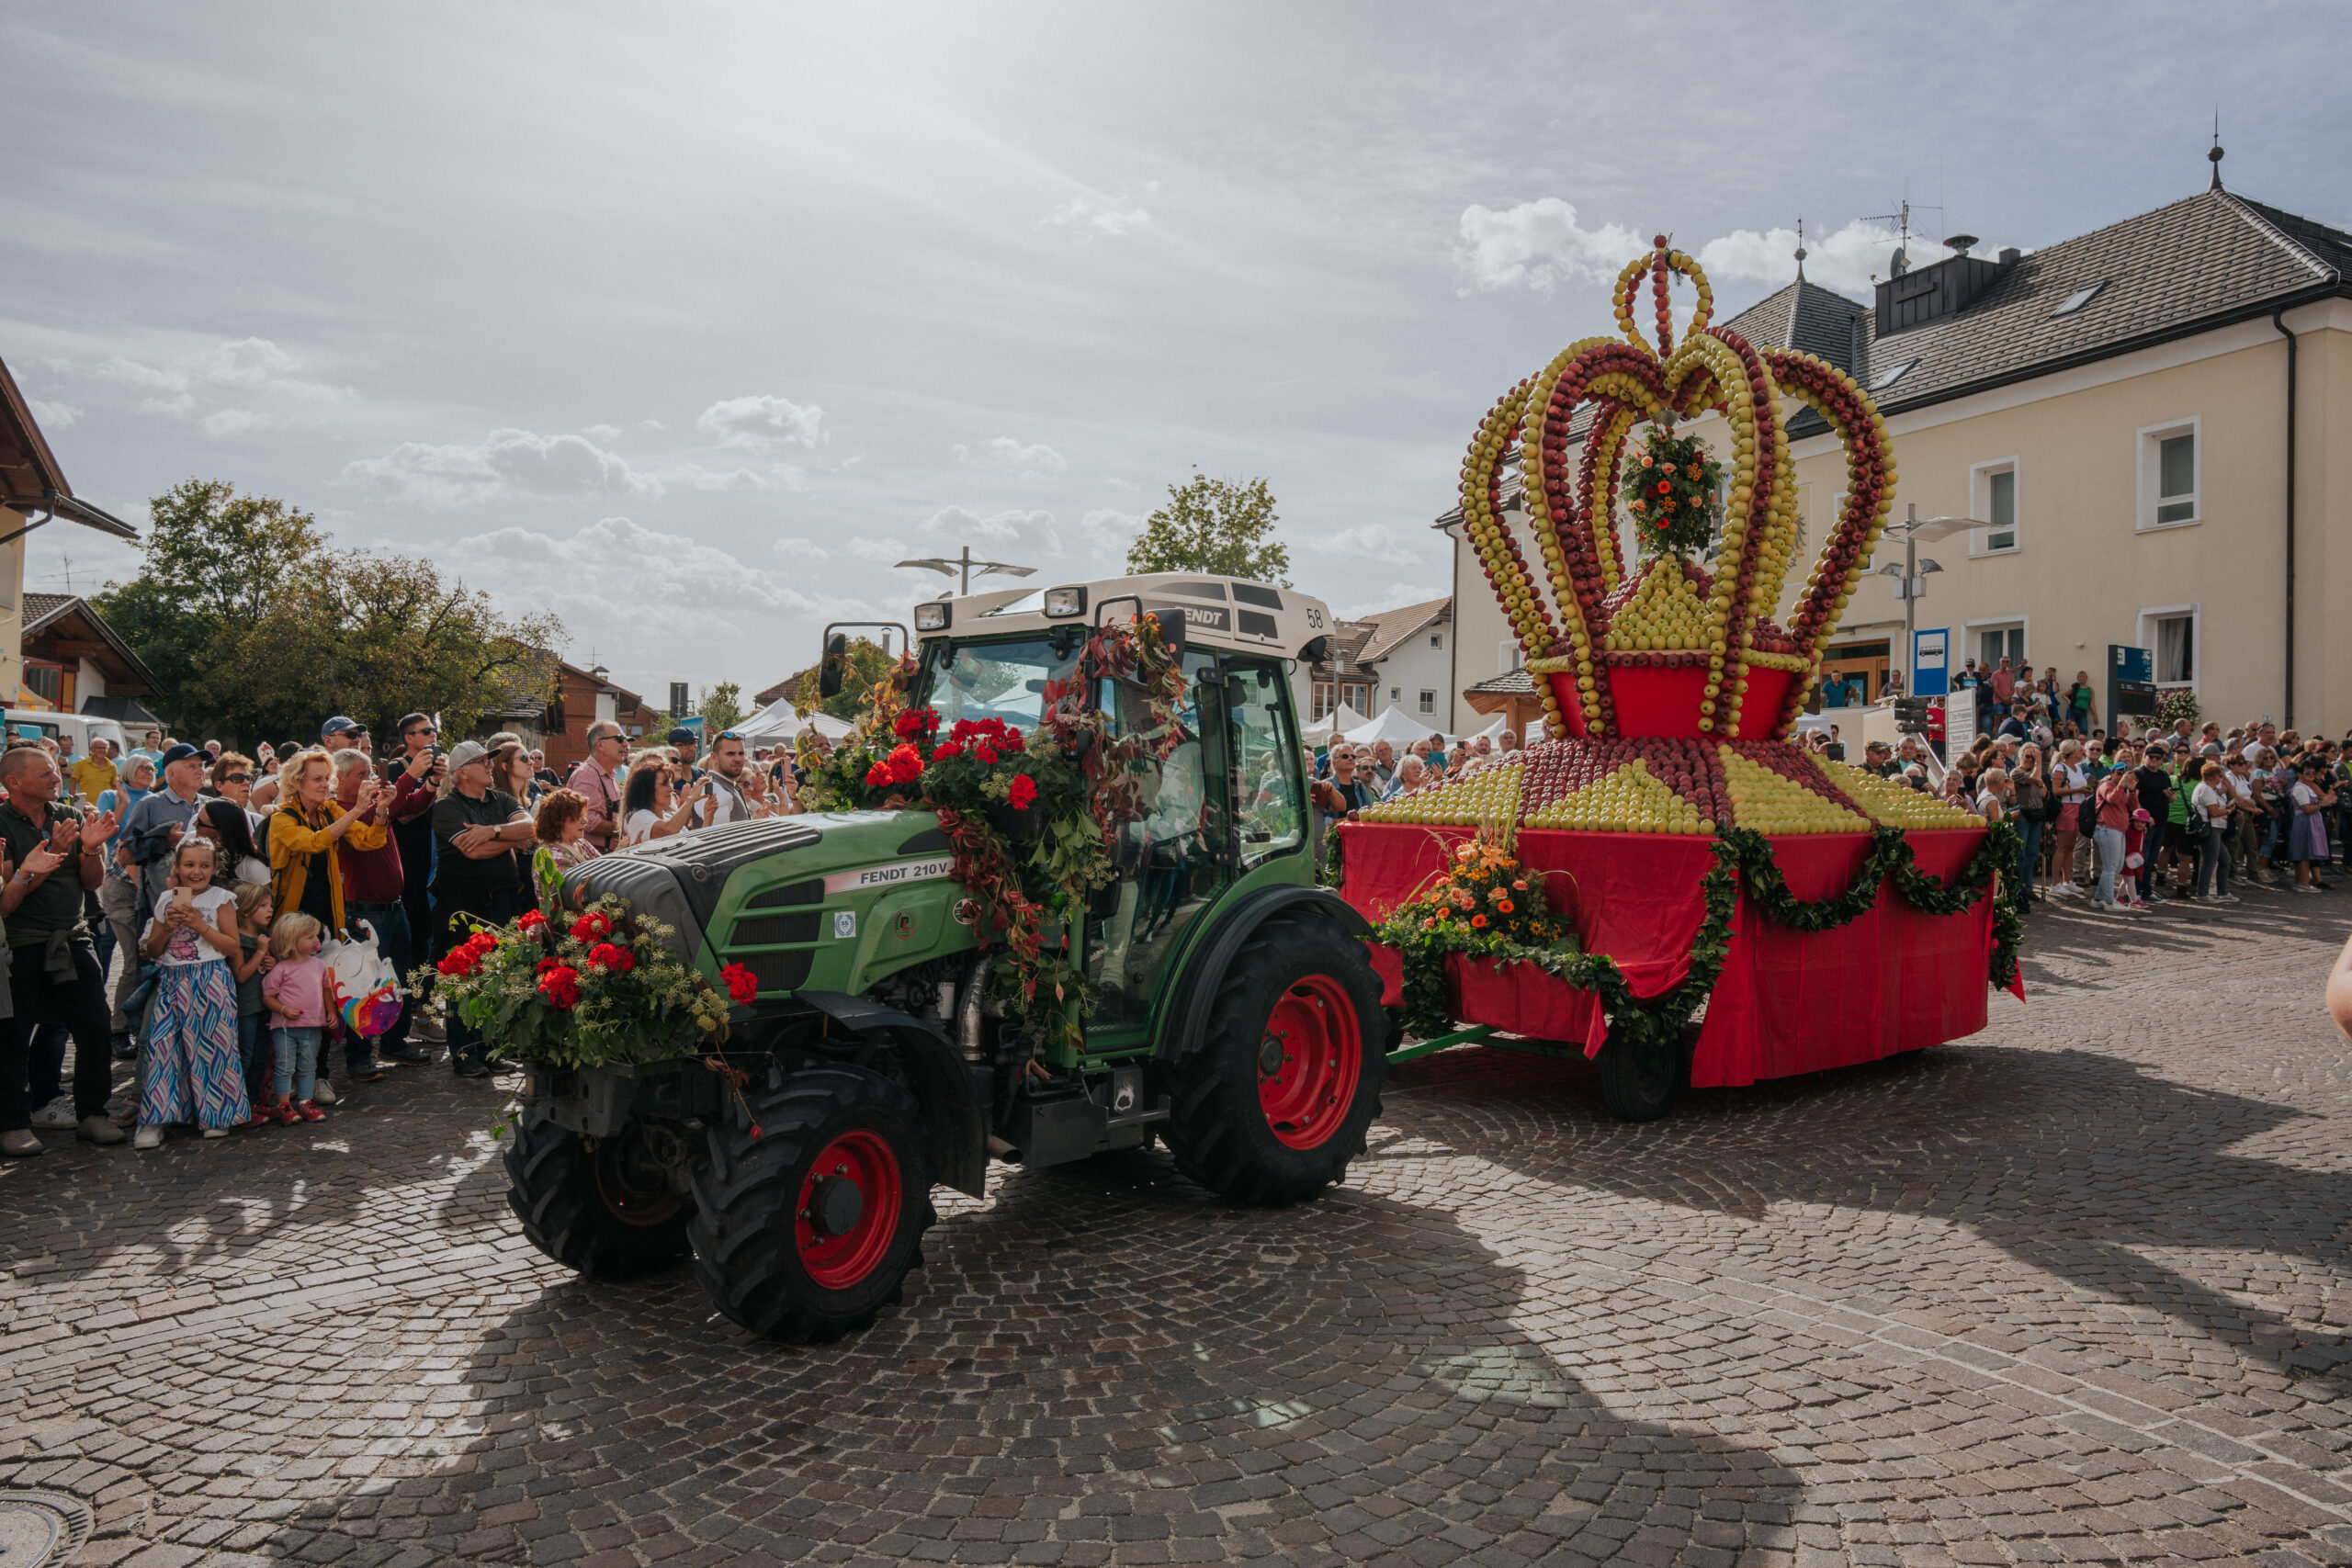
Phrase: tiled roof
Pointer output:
(1391, 627)
(39, 607)
(40, 610)
(1519, 683)
(2185, 267)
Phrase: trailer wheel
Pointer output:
(807, 1222)
(1275, 1102)
(1642, 1076)
(605, 1210)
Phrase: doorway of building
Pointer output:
(1845, 665)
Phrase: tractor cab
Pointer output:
(1226, 805)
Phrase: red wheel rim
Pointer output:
(1310, 1061)
(838, 1256)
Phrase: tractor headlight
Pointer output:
(930, 616)
(1062, 601)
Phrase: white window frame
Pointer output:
(1509, 656)
(1980, 504)
(2148, 639)
(1395, 695)
(2152, 439)
(1972, 631)
(1428, 704)
(1437, 640)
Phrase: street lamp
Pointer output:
(949, 566)
(1913, 572)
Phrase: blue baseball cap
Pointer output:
(341, 724)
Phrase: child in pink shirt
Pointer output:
(299, 996)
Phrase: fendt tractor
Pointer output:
(1238, 1018)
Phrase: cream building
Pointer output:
(2119, 408)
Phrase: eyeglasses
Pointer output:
(237, 778)
(422, 729)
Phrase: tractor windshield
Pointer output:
(996, 679)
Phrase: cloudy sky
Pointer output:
(687, 321)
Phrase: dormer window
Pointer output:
(1891, 375)
(2078, 299)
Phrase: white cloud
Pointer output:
(659, 573)
(1539, 244)
(169, 408)
(1109, 531)
(248, 362)
(1024, 538)
(57, 416)
(1397, 595)
(1092, 218)
(762, 423)
(868, 546)
(805, 551)
(133, 373)
(1846, 260)
(1029, 462)
(651, 425)
(508, 462)
(693, 476)
(1116, 483)
(603, 432)
(250, 365)
(1370, 541)
(234, 421)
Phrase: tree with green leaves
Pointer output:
(215, 562)
(722, 708)
(254, 627)
(867, 664)
(1223, 526)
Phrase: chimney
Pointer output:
(1941, 288)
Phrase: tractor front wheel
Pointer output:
(807, 1222)
(1275, 1102)
(603, 1206)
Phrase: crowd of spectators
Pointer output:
(168, 906)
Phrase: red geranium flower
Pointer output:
(592, 926)
(904, 766)
(560, 985)
(532, 920)
(987, 754)
(948, 751)
(914, 722)
(461, 962)
(741, 984)
(1024, 790)
(605, 955)
(879, 773)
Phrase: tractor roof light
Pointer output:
(932, 615)
(1062, 602)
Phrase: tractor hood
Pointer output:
(681, 880)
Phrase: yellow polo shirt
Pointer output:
(91, 777)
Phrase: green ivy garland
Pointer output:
(1427, 1006)
(1334, 870)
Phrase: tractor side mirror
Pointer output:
(829, 668)
(1317, 651)
(1172, 626)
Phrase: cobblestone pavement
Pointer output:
(2073, 1290)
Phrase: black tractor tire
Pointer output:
(1275, 1102)
(592, 1205)
(804, 1229)
(1642, 1076)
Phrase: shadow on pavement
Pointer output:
(1102, 1355)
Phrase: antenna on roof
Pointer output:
(1801, 251)
(2214, 157)
(1900, 216)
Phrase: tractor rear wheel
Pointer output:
(603, 1206)
(1642, 1076)
(806, 1223)
(1275, 1102)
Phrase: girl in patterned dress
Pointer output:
(194, 1073)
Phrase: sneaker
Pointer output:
(58, 1115)
(99, 1130)
(429, 1029)
(2305, 888)
(2225, 897)
(322, 1095)
(149, 1136)
(21, 1145)
(473, 1069)
(284, 1112)
(412, 1056)
(262, 1116)
(307, 1112)
(126, 1049)
(372, 1073)
(216, 1132)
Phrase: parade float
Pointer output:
(1667, 882)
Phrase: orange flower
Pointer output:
(1477, 919)
(1506, 905)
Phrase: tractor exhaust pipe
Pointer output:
(967, 1010)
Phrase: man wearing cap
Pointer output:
(684, 745)
(339, 733)
(597, 781)
(476, 832)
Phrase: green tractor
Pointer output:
(1238, 1019)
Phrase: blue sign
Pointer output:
(1931, 663)
(2129, 663)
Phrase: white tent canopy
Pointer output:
(1494, 730)
(1342, 718)
(1393, 725)
(780, 721)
